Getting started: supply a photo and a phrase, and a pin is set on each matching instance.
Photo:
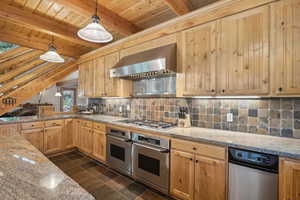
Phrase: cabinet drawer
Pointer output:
(100, 127)
(52, 123)
(87, 124)
(200, 148)
(32, 125)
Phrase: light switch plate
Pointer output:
(229, 117)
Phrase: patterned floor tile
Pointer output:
(102, 182)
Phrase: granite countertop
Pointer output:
(25, 173)
(286, 147)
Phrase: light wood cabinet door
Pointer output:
(111, 84)
(182, 175)
(99, 145)
(81, 80)
(35, 137)
(53, 139)
(210, 179)
(76, 132)
(68, 135)
(86, 140)
(199, 60)
(99, 77)
(89, 79)
(289, 179)
(243, 53)
(285, 47)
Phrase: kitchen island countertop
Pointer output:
(26, 174)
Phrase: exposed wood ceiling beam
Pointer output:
(180, 7)
(42, 24)
(19, 60)
(12, 53)
(28, 77)
(109, 19)
(32, 42)
(35, 86)
(28, 66)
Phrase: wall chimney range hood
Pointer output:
(156, 62)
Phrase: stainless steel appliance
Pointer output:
(252, 175)
(148, 123)
(155, 87)
(152, 63)
(119, 148)
(151, 161)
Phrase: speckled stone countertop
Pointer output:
(26, 174)
(286, 147)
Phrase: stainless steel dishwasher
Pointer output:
(252, 175)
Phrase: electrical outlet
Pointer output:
(128, 107)
(229, 117)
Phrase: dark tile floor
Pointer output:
(102, 182)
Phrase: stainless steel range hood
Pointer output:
(148, 64)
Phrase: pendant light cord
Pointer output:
(96, 8)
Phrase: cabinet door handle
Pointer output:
(191, 159)
(280, 89)
(212, 90)
(196, 161)
(223, 90)
(194, 148)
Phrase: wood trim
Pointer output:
(13, 53)
(19, 60)
(19, 70)
(32, 88)
(32, 42)
(108, 18)
(179, 7)
(206, 14)
(42, 24)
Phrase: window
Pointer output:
(68, 99)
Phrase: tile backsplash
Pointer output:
(276, 116)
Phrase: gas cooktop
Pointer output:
(149, 123)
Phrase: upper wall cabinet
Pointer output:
(285, 47)
(199, 60)
(243, 53)
(95, 81)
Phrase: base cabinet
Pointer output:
(198, 171)
(99, 145)
(182, 175)
(289, 179)
(53, 139)
(68, 137)
(210, 179)
(35, 137)
(86, 139)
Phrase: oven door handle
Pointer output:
(160, 150)
(120, 139)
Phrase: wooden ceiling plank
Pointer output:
(28, 77)
(12, 53)
(34, 42)
(180, 7)
(42, 23)
(37, 85)
(19, 60)
(19, 70)
(108, 18)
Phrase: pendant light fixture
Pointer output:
(51, 55)
(95, 32)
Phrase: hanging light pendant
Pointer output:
(95, 32)
(51, 55)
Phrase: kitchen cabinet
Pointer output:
(99, 77)
(210, 179)
(86, 139)
(53, 139)
(285, 47)
(76, 130)
(182, 175)
(243, 53)
(199, 60)
(68, 134)
(99, 145)
(289, 179)
(198, 171)
(35, 137)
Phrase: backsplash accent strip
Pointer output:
(275, 116)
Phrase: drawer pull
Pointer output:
(194, 148)
(191, 159)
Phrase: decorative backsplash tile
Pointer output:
(278, 117)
